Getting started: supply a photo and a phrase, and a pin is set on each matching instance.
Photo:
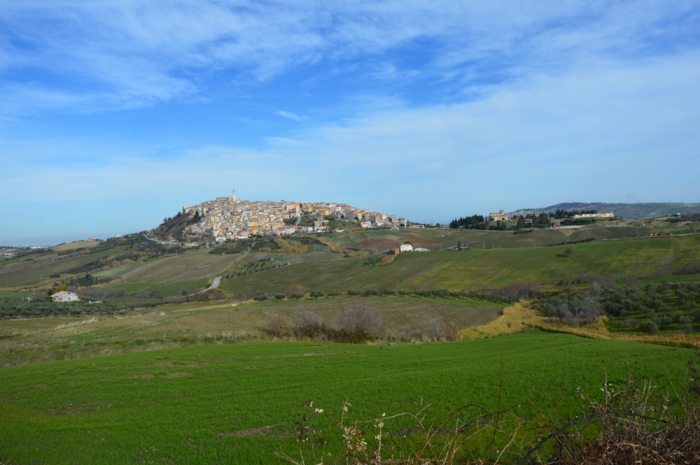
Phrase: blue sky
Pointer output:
(114, 114)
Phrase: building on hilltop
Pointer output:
(595, 215)
(233, 196)
(500, 216)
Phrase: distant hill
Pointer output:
(632, 211)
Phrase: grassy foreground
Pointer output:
(235, 403)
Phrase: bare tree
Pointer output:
(277, 324)
(361, 320)
(307, 324)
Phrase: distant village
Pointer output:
(228, 218)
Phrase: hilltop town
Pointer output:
(228, 218)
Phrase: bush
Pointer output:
(278, 324)
(307, 324)
(260, 298)
(297, 295)
(316, 294)
(354, 292)
(649, 327)
(388, 292)
(361, 321)
(334, 294)
(280, 296)
(440, 329)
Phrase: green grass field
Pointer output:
(212, 403)
(478, 269)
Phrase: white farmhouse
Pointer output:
(406, 247)
(64, 296)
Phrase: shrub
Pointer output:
(361, 321)
(297, 295)
(307, 324)
(354, 292)
(260, 298)
(277, 324)
(280, 296)
(440, 329)
(388, 292)
(334, 294)
(649, 327)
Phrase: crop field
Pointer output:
(40, 270)
(76, 245)
(166, 288)
(479, 269)
(237, 403)
(377, 241)
(194, 264)
(55, 338)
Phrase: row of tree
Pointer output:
(480, 222)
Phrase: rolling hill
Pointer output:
(632, 211)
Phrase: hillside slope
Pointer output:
(482, 268)
(632, 211)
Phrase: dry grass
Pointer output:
(290, 247)
(332, 246)
(518, 317)
(33, 340)
(76, 245)
(512, 320)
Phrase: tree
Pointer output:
(568, 252)
(362, 321)
(521, 223)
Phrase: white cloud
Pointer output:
(125, 53)
(595, 134)
(289, 115)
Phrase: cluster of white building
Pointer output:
(228, 218)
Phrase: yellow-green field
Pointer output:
(479, 269)
(76, 245)
(54, 338)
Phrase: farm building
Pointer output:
(406, 247)
(64, 296)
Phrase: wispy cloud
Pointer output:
(290, 115)
(125, 53)
(607, 130)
